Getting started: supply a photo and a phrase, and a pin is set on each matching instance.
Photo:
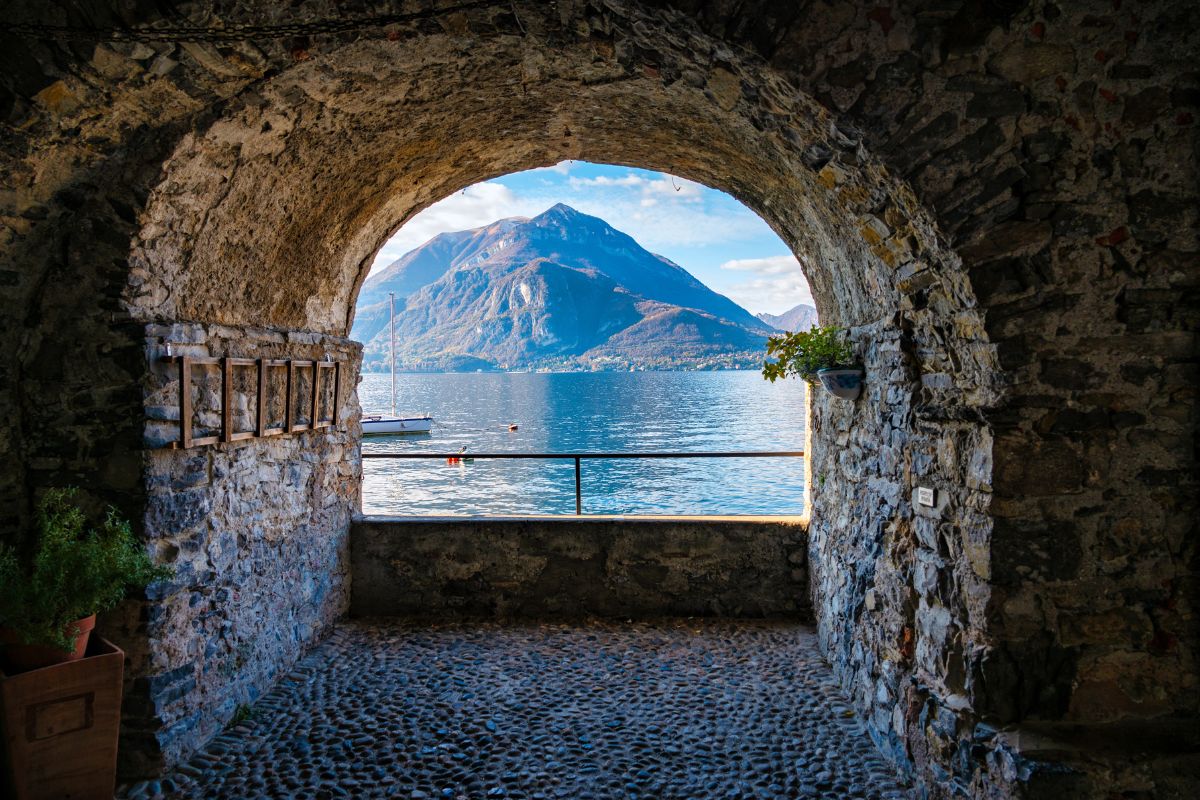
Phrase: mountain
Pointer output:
(800, 318)
(562, 289)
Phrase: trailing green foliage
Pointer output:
(803, 353)
(71, 570)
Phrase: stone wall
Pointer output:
(998, 198)
(571, 568)
(873, 254)
(257, 532)
(1056, 146)
(901, 589)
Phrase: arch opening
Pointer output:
(582, 308)
(269, 220)
(232, 201)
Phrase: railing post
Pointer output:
(578, 490)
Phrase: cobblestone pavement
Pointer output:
(670, 710)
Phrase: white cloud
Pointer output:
(605, 180)
(561, 168)
(658, 222)
(677, 188)
(778, 284)
(660, 211)
(470, 208)
(774, 296)
(651, 188)
(772, 265)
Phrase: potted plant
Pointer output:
(60, 687)
(52, 587)
(820, 354)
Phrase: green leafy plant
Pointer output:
(803, 353)
(69, 570)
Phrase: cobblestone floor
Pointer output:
(672, 710)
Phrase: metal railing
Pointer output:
(578, 457)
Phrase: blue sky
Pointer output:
(707, 232)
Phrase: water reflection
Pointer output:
(589, 412)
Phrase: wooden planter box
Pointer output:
(60, 726)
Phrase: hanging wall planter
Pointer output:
(819, 355)
(843, 382)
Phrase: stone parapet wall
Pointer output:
(257, 532)
(572, 568)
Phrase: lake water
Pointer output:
(589, 412)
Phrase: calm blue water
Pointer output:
(596, 412)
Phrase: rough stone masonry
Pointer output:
(998, 198)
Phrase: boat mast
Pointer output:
(392, 339)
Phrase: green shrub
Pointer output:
(71, 570)
(803, 353)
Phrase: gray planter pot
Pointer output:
(844, 383)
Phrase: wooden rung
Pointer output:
(185, 402)
(227, 399)
(315, 388)
(260, 415)
(287, 402)
(337, 390)
(210, 361)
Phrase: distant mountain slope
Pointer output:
(663, 327)
(421, 267)
(800, 318)
(561, 287)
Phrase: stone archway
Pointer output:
(271, 214)
(248, 211)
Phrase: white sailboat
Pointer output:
(385, 424)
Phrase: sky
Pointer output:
(705, 231)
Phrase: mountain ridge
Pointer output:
(798, 318)
(559, 290)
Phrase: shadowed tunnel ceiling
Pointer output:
(272, 213)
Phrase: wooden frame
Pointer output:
(324, 366)
(228, 434)
(227, 365)
(294, 386)
(186, 439)
(264, 390)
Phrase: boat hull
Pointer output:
(378, 425)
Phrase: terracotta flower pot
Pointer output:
(21, 657)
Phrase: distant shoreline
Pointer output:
(555, 371)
